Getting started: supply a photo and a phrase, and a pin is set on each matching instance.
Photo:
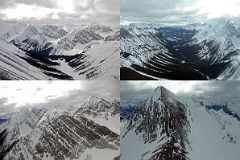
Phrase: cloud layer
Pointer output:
(15, 94)
(75, 11)
(176, 11)
(139, 90)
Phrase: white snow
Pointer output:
(112, 122)
(213, 134)
(99, 154)
(206, 136)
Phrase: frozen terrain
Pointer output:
(86, 130)
(204, 51)
(168, 127)
(54, 51)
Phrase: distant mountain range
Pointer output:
(46, 51)
(85, 131)
(203, 51)
(168, 127)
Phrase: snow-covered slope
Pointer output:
(52, 132)
(220, 43)
(140, 42)
(168, 127)
(13, 65)
(214, 133)
(153, 52)
(80, 51)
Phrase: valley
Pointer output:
(175, 53)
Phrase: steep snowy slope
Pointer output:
(214, 133)
(51, 132)
(167, 127)
(140, 42)
(13, 65)
(219, 40)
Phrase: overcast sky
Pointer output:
(176, 11)
(140, 90)
(77, 11)
(15, 94)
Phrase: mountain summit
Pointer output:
(162, 124)
(161, 93)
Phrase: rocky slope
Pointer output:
(161, 128)
(52, 132)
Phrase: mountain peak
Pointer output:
(161, 93)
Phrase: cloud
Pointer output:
(17, 94)
(13, 3)
(176, 11)
(140, 90)
(157, 11)
(61, 11)
(87, 5)
(5, 106)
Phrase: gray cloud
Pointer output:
(106, 89)
(134, 91)
(5, 107)
(139, 90)
(221, 89)
(13, 3)
(155, 11)
(98, 11)
(79, 7)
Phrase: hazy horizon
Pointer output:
(139, 90)
(176, 12)
(18, 94)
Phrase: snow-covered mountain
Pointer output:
(79, 51)
(85, 131)
(16, 64)
(140, 43)
(168, 127)
(220, 43)
(207, 50)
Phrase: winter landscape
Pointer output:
(59, 120)
(180, 120)
(59, 39)
(181, 40)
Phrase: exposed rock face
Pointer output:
(162, 120)
(69, 137)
